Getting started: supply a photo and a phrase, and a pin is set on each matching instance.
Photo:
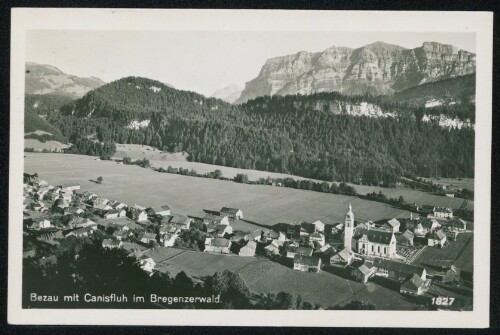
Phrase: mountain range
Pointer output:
(230, 93)
(377, 68)
(48, 79)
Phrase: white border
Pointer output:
(251, 20)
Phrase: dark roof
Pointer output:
(375, 236)
(308, 227)
(437, 235)
(307, 260)
(304, 251)
(229, 210)
(179, 219)
(213, 217)
(413, 283)
(220, 242)
(398, 267)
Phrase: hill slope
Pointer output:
(47, 79)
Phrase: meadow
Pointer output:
(262, 204)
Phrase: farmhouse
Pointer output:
(375, 243)
(451, 275)
(392, 225)
(147, 264)
(180, 221)
(168, 229)
(426, 226)
(436, 238)
(273, 248)
(44, 224)
(318, 239)
(115, 214)
(342, 258)
(325, 253)
(146, 237)
(215, 219)
(118, 205)
(398, 271)
(68, 187)
(405, 239)
(249, 249)
(137, 214)
(222, 230)
(217, 245)
(80, 232)
(442, 212)
(168, 240)
(456, 224)
(270, 235)
(238, 236)
(307, 263)
(364, 272)
(233, 213)
(413, 286)
(256, 235)
(163, 210)
(111, 244)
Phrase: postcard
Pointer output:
(285, 168)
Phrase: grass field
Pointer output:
(467, 183)
(189, 195)
(459, 252)
(39, 146)
(137, 151)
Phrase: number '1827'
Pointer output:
(443, 301)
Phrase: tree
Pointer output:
(241, 178)
(99, 180)
(127, 160)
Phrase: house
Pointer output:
(121, 235)
(115, 214)
(238, 236)
(456, 224)
(102, 207)
(375, 243)
(180, 221)
(256, 236)
(318, 226)
(75, 210)
(168, 240)
(325, 253)
(291, 250)
(78, 222)
(451, 235)
(428, 209)
(365, 225)
(249, 249)
(318, 239)
(342, 258)
(273, 248)
(163, 210)
(392, 225)
(80, 232)
(44, 224)
(363, 272)
(137, 214)
(405, 239)
(233, 213)
(307, 263)
(436, 238)
(168, 229)
(413, 286)
(306, 229)
(397, 271)
(451, 275)
(450, 195)
(443, 212)
(146, 237)
(426, 226)
(215, 219)
(147, 264)
(69, 187)
(217, 245)
(117, 204)
(304, 251)
(111, 244)
(222, 230)
(271, 235)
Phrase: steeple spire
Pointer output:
(350, 207)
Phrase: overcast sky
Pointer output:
(198, 61)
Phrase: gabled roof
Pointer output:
(317, 235)
(229, 210)
(220, 242)
(255, 233)
(407, 269)
(179, 219)
(149, 236)
(374, 236)
(414, 283)
(345, 254)
(307, 260)
(365, 269)
(251, 245)
(393, 222)
(437, 235)
(304, 251)
(213, 217)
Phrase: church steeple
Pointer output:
(348, 228)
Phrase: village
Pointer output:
(387, 251)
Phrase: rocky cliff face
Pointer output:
(47, 79)
(377, 68)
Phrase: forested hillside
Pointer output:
(311, 136)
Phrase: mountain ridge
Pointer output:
(376, 68)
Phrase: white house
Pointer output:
(44, 224)
(443, 212)
(233, 213)
(217, 245)
(147, 264)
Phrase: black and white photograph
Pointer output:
(172, 165)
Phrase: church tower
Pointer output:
(348, 229)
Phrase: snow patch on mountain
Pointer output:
(447, 122)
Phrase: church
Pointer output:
(369, 242)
